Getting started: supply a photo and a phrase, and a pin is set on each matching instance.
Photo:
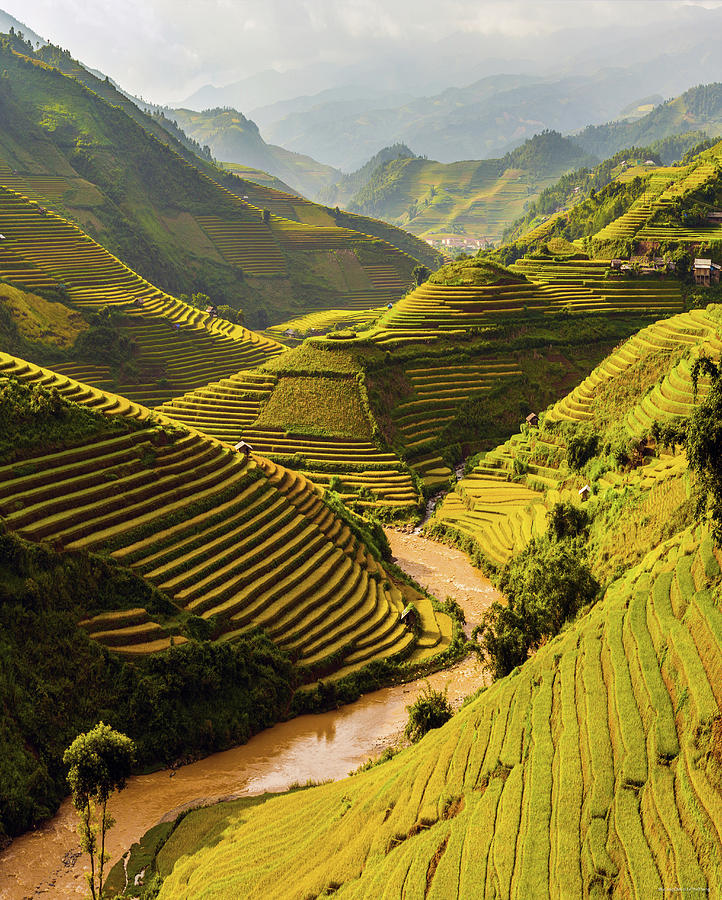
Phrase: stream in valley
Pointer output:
(46, 862)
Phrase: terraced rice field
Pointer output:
(583, 286)
(664, 186)
(64, 253)
(355, 465)
(322, 321)
(437, 392)
(695, 330)
(282, 204)
(499, 514)
(182, 345)
(249, 244)
(434, 308)
(241, 543)
(223, 409)
(177, 359)
(504, 500)
(575, 776)
(238, 407)
(35, 186)
(553, 286)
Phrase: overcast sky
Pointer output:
(165, 49)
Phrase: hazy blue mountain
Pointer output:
(7, 22)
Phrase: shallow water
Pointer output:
(317, 747)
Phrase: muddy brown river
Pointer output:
(45, 863)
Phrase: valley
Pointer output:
(396, 567)
(308, 748)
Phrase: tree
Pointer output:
(582, 445)
(545, 585)
(431, 710)
(567, 520)
(99, 763)
(704, 445)
(421, 274)
(230, 314)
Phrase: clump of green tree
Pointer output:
(223, 311)
(104, 342)
(431, 709)
(545, 586)
(582, 445)
(32, 416)
(420, 274)
(99, 764)
(704, 445)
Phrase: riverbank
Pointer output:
(44, 863)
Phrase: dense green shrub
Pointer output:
(104, 343)
(567, 520)
(582, 445)
(431, 709)
(704, 445)
(367, 529)
(545, 585)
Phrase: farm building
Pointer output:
(706, 272)
(243, 447)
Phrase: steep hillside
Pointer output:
(697, 110)
(211, 547)
(580, 185)
(504, 499)
(233, 138)
(591, 770)
(451, 302)
(643, 210)
(175, 218)
(357, 411)
(141, 339)
(473, 199)
(342, 193)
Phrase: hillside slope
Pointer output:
(698, 109)
(240, 543)
(78, 145)
(592, 770)
(473, 199)
(643, 209)
(150, 344)
(235, 139)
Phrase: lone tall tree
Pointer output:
(704, 445)
(99, 763)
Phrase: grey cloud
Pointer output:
(165, 49)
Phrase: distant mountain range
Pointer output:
(488, 117)
(479, 197)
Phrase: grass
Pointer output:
(316, 404)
